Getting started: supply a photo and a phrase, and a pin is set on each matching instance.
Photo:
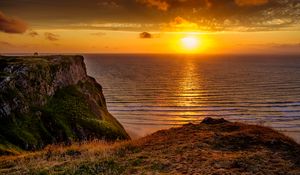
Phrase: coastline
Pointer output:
(214, 146)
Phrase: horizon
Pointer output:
(138, 53)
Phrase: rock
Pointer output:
(211, 121)
(51, 99)
(30, 81)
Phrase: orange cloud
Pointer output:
(159, 4)
(250, 2)
(181, 23)
(12, 25)
(51, 36)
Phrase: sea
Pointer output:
(150, 92)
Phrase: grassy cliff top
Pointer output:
(35, 62)
(212, 147)
(37, 59)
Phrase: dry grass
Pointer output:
(225, 148)
(56, 158)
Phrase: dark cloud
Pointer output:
(51, 36)
(159, 4)
(165, 5)
(11, 24)
(145, 35)
(251, 2)
(33, 33)
(150, 15)
(232, 14)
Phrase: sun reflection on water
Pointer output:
(189, 87)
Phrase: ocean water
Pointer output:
(147, 93)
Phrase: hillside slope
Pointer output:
(214, 147)
(51, 99)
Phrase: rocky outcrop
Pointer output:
(29, 81)
(51, 99)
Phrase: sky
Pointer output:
(150, 26)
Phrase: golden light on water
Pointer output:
(189, 91)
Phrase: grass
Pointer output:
(65, 118)
(70, 111)
(78, 158)
(271, 153)
(27, 60)
(75, 113)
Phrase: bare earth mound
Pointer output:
(212, 147)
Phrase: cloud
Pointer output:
(152, 15)
(33, 33)
(159, 4)
(51, 36)
(165, 5)
(251, 2)
(11, 24)
(182, 24)
(145, 35)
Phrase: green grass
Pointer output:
(65, 118)
(74, 113)
(69, 110)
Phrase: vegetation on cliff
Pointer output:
(213, 147)
(50, 99)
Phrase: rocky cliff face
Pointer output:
(51, 99)
(30, 81)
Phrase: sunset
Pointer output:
(150, 87)
(101, 26)
(190, 43)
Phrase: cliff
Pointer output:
(51, 99)
(213, 147)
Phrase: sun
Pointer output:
(190, 43)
